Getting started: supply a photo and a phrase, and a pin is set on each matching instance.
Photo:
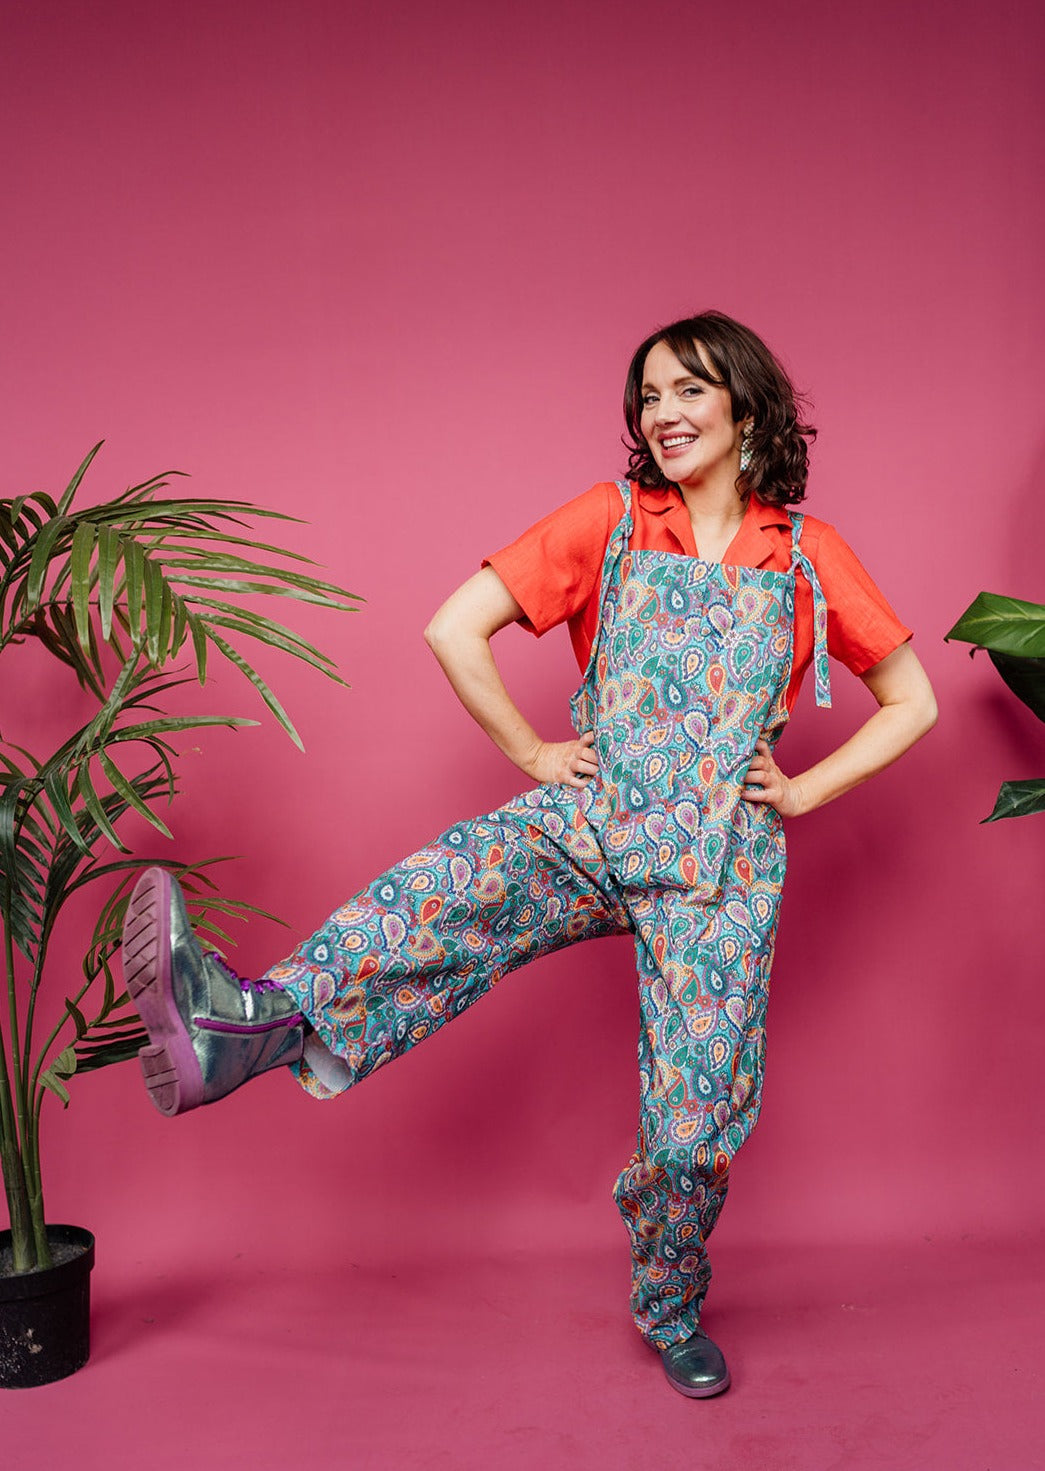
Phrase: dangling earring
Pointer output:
(745, 449)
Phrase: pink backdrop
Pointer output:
(384, 270)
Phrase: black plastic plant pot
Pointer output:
(45, 1317)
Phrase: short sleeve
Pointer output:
(553, 569)
(861, 626)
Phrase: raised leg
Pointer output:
(429, 937)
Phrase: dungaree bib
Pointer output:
(688, 670)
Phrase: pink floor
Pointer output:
(922, 1356)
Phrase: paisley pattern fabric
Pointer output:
(688, 670)
(435, 932)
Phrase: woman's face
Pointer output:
(687, 423)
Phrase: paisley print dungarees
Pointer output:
(688, 670)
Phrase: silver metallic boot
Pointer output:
(696, 1366)
(208, 1030)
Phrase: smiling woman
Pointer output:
(696, 602)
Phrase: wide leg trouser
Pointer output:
(435, 932)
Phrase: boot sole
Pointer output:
(708, 1393)
(169, 1064)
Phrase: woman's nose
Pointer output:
(667, 412)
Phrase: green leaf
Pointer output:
(134, 578)
(40, 562)
(64, 1064)
(79, 1020)
(260, 685)
(55, 788)
(199, 644)
(96, 653)
(181, 619)
(1018, 799)
(286, 583)
(109, 552)
(90, 1056)
(7, 535)
(153, 609)
(171, 724)
(130, 793)
(147, 487)
(74, 484)
(84, 538)
(166, 620)
(56, 1086)
(190, 549)
(1025, 677)
(93, 803)
(1007, 625)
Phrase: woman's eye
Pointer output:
(692, 390)
(648, 400)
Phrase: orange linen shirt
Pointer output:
(554, 572)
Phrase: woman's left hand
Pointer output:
(765, 782)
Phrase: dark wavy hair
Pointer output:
(759, 390)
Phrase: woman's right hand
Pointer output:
(570, 763)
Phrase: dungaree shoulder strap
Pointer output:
(625, 524)
(800, 562)
(620, 536)
(583, 704)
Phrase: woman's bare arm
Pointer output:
(906, 711)
(459, 635)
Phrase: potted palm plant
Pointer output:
(118, 593)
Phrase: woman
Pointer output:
(695, 603)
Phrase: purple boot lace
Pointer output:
(245, 985)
